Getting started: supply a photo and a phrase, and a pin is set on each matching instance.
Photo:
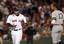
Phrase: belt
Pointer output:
(16, 29)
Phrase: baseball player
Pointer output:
(57, 22)
(15, 21)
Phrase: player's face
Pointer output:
(17, 13)
(52, 7)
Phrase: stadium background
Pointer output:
(9, 10)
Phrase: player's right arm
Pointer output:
(24, 22)
(53, 19)
(9, 21)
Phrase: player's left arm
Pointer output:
(61, 16)
(24, 23)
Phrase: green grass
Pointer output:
(46, 40)
(41, 41)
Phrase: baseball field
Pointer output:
(46, 40)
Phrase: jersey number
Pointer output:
(60, 16)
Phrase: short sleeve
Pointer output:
(9, 19)
(53, 16)
(24, 19)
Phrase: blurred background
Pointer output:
(36, 12)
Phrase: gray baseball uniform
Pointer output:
(57, 21)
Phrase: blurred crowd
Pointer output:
(36, 12)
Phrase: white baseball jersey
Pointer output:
(57, 17)
(16, 20)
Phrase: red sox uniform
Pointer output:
(16, 31)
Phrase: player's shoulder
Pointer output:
(57, 12)
(22, 15)
(11, 15)
(60, 12)
(54, 12)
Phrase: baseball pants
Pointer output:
(56, 33)
(16, 36)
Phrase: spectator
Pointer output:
(9, 5)
(4, 9)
